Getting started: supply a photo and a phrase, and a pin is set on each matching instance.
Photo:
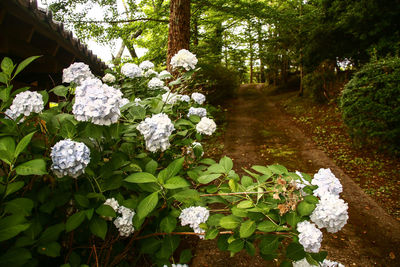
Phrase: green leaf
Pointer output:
(187, 196)
(269, 244)
(141, 177)
(98, 227)
(186, 256)
(245, 204)
(236, 246)
(147, 205)
(151, 166)
(50, 249)
(262, 169)
(208, 178)
(51, 233)
(135, 112)
(22, 206)
(176, 182)
(150, 245)
(168, 246)
(304, 208)
(82, 200)
(168, 224)
(89, 213)
(247, 181)
(292, 218)
(15, 257)
(68, 129)
(7, 66)
(216, 168)
(267, 226)
(45, 96)
(173, 169)
(229, 222)
(207, 161)
(226, 163)
(311, 199)
(14, 187)
(247, 228)
(295, 251)
(74, 221)
(32, 167)
(11, 226)
(23, 144)
(214, 219)
(239, 212)
(211, 234)
(24, 64)
(7, 149)
(106, 211)
(278, 169)
(3, 78)
(60, 90)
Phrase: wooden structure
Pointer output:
(27, 30)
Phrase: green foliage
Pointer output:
(371, 105)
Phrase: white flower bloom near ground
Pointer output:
(69, 158)
(108, 78)
(330, 213)
(25, 103)
(201, 112)
(206, 126)
(156, 131)
(163, 75)
(185, 98)
(155, 83)
(150, 73)
(184, 59)
(113, 203)
(170, 98)
(124, 222)
(326, 182)
(325, 263)
(146, 65)
(77, 73)
(310, 236)
(199, 98)
(131, 70)
(194, 216)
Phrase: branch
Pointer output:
(117, 21)
(191, 233)
(235, 193)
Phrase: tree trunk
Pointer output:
(179, 28)
(260, 52)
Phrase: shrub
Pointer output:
(371, 104)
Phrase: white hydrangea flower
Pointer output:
(150, 73)
(192, 146)
(156, 131)
(131, 70)
(194, 216)
(98, 103)
(113, 203)
(155, 83)
(326, 263)
(171, 98)
(201, 112)
(185, 98)
(25, 103)
(199, 98)
(69, 158)
(206, 126)
(331, 213)
(77, 73)
(310, 236)
(123, 102)
(124, 222)
(177, 265)
(299, 184)
(164, 75)
(145, 65)
(108, 78)
(137, 101)
(184, 59)
(326, 182)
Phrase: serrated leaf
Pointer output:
(74, 221)
(51, 249)
(11, 226)
(229, 222)
(151, 166)
(227, 163)
(267, 226)
(23, 144)
(269, 244)
(14, 187)
(168, 224)
(208, 178)
(216, 168)
(82, 200)
(247, 228)
(211, 234)
(24, 64)
(176, 182)
(51, 233)
(262, 169)
(245, 204)
(141, 177)
(60, 90)
(22, 206)
(187, 196)
(236, 246)
(98, 227)
(7, 66)
(304, 208)
(32, 167)
(147, 205)
(278, 169)
(295, 251)
(106, 211)
(186, 256)
(15, 257)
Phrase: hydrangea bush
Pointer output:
(115, 176)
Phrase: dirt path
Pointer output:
(259, 133)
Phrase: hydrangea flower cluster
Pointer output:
(97, 102)
(194, 216)
(69, 158)
(177, 265)
(185, 98)
(156, 131)
(123, 102)
(331, 213)
(206, 126)
(137, 101)
(164, 75)
(25, 103)
(113, 203)
(131, 70)
(199, 98)
(108, 78)
(327, 183)
(155, 83)
(310, 236)
(184, 59)
(150, 73)
(77, 73)
(325, 263)
(201, 112)
(171, 98)
(145, 65)
(124, 222)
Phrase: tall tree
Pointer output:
(179, 28)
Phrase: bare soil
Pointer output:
(258, 132)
